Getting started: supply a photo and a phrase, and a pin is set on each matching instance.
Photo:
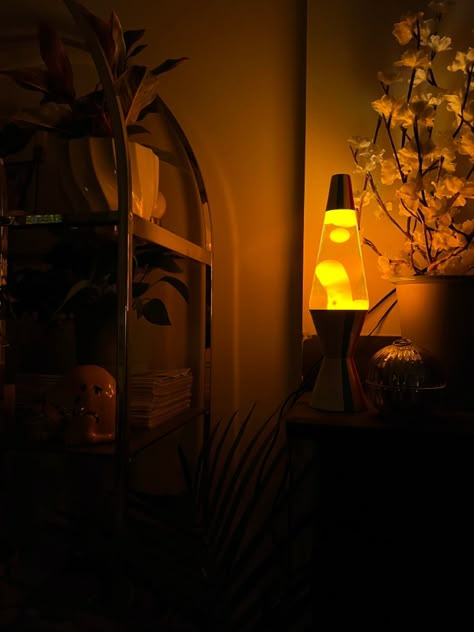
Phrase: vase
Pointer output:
(79, 176)
(436, 313)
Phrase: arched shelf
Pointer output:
(184, 229)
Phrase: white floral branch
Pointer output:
(429, 142)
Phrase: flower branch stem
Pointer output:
(465, 100)
(435, 166)
(382, 205)
(393, 147)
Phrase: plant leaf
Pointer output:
(137, 129)
(218, 497)
(136, 51)
(33, 78)
(168, 65)
(75, 289)
(131, 37)
(139, 288)
(120, 50)
(229, 514)
(156, 258)
(50, 116)
(154, 107)
(137, 88)
(60, 75)
(155, 312)
(178, 285)
(138, 307)
(101, 28)
(166, 156)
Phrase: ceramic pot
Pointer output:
(79, 176)
(436, 313)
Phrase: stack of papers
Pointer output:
(158, 395)
(155, 396)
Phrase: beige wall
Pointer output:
(347, 44)
(240, 99)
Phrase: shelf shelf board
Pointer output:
(20, 219)
(142, 229)
(139, 439)
(149, 231)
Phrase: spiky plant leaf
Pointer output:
(102, 29)
(168, 65)
(131, 37)
(60, 75)
(136, 51)
(50, 117)
(137, 129)
(33, 78)
(119, 59)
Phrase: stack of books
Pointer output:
(155, 396)
(159, 395)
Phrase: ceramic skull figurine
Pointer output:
(83, 401)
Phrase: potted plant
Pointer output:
(417, 174)
(75, 126)
(69, 287)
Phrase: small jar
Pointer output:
(403, 377)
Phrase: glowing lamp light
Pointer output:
(339, 302)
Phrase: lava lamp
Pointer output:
(339, 302)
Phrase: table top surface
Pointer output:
(304, 420)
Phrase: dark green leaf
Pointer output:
(60, 75)
(166, 156)
(75, 289)
(137, 129)
(138, 307)
(218, 498)
(179, 285)
(154, 107)
(156, 258)
(120, 52)
(155, 312)
(49, 116)
(131, 37)
(168, 65)
(137, 50)
(101, 28)
(137, 88)
(232, 500)
(34, 78)
(139, 288)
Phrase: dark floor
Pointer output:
(55, 576)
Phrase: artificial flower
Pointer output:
(422, 153)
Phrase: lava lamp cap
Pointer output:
(340, 193)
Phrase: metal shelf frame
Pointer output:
(128, 228)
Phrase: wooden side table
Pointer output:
(392, 535)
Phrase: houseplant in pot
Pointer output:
(417, 174)
(69, 285)
(69, 136)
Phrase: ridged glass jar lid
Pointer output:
(405, 365)
(404, 378)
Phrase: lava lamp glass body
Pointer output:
(339, 302)
(339, 277)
